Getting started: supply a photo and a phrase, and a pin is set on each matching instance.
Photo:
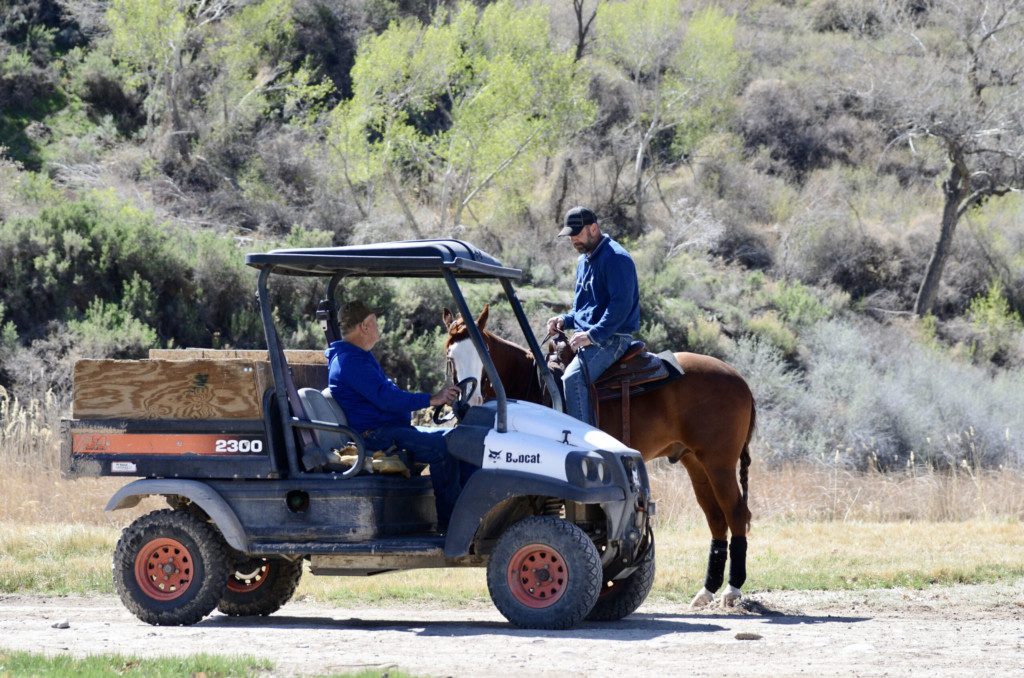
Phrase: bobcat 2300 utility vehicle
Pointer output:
(558, 512)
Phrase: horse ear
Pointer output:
(482, 320)
(447, 318)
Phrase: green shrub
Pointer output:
(1000, 330)
(798, 304)
(769, 327)
(871, 396)
(110, 330)
(846, 16)
(704, 335)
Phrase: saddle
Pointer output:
(636, 372)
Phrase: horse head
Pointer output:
(463, 360)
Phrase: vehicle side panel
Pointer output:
(167, 448)
(486, 489)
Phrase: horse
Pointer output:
(703, 420)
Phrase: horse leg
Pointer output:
(730, 501)
(716, 522)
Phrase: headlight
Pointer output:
(593, 469)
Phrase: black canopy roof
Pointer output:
(409, 259)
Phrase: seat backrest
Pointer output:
(321, 406)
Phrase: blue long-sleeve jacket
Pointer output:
(370, 400)
(607, 299)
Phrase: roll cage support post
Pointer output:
(277, 368)
(542, 365)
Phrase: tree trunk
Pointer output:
(638, 169)
(950, 217)
(396, 190)
(180, 136)
(582, 28)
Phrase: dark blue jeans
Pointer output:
(446, 473)
(598, 359)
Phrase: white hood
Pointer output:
(539, 438)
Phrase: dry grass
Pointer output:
(818, 493)
(814, 527)
(59, 559)
(31, 489)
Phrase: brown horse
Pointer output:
(703, 420)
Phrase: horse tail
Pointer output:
(745, 462)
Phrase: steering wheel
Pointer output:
(467, 387)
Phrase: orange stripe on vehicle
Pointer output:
(148, 443)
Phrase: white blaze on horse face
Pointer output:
(467, 363)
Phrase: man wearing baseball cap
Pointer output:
(605, 309)
(381, 411)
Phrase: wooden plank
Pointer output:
(165, 389)
(293, 357)
(304, 376)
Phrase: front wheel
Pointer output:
(260, 586)
(170, 568)
(620, 598)
(544, 573)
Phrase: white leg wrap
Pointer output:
(703, 598)
(731, 596)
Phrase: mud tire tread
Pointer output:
(576, 549)
(210, 550)
(627, 595)
(270, 597)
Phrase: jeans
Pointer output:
(597, 359)
(446, 472)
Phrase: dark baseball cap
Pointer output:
(576, 219)
(353, 313)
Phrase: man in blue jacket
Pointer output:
(605, 309)
(381, 411)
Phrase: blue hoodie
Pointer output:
(370, 400)
(607, 297)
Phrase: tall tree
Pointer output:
(952, 73)
(679, 73)
(444, 113)
(156, 41)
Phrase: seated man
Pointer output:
(381, 411)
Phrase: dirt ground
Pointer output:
(946, 631)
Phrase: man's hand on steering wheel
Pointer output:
(464, 390)
(446, 396)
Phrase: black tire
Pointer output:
(260, 586)
(544, 573)
(620, 598)
(193, 574)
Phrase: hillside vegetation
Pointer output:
(824, 193)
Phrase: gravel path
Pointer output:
(943, 631)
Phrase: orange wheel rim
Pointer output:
(537, 576)
(164, 569)
(250, 576)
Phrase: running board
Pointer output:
(370, 557)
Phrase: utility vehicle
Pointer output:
(558, 512)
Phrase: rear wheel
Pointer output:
(544, 573)
(620, 598)
(170, 568)
(260, 586)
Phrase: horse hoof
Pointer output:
(703, 598)
(731, 597)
